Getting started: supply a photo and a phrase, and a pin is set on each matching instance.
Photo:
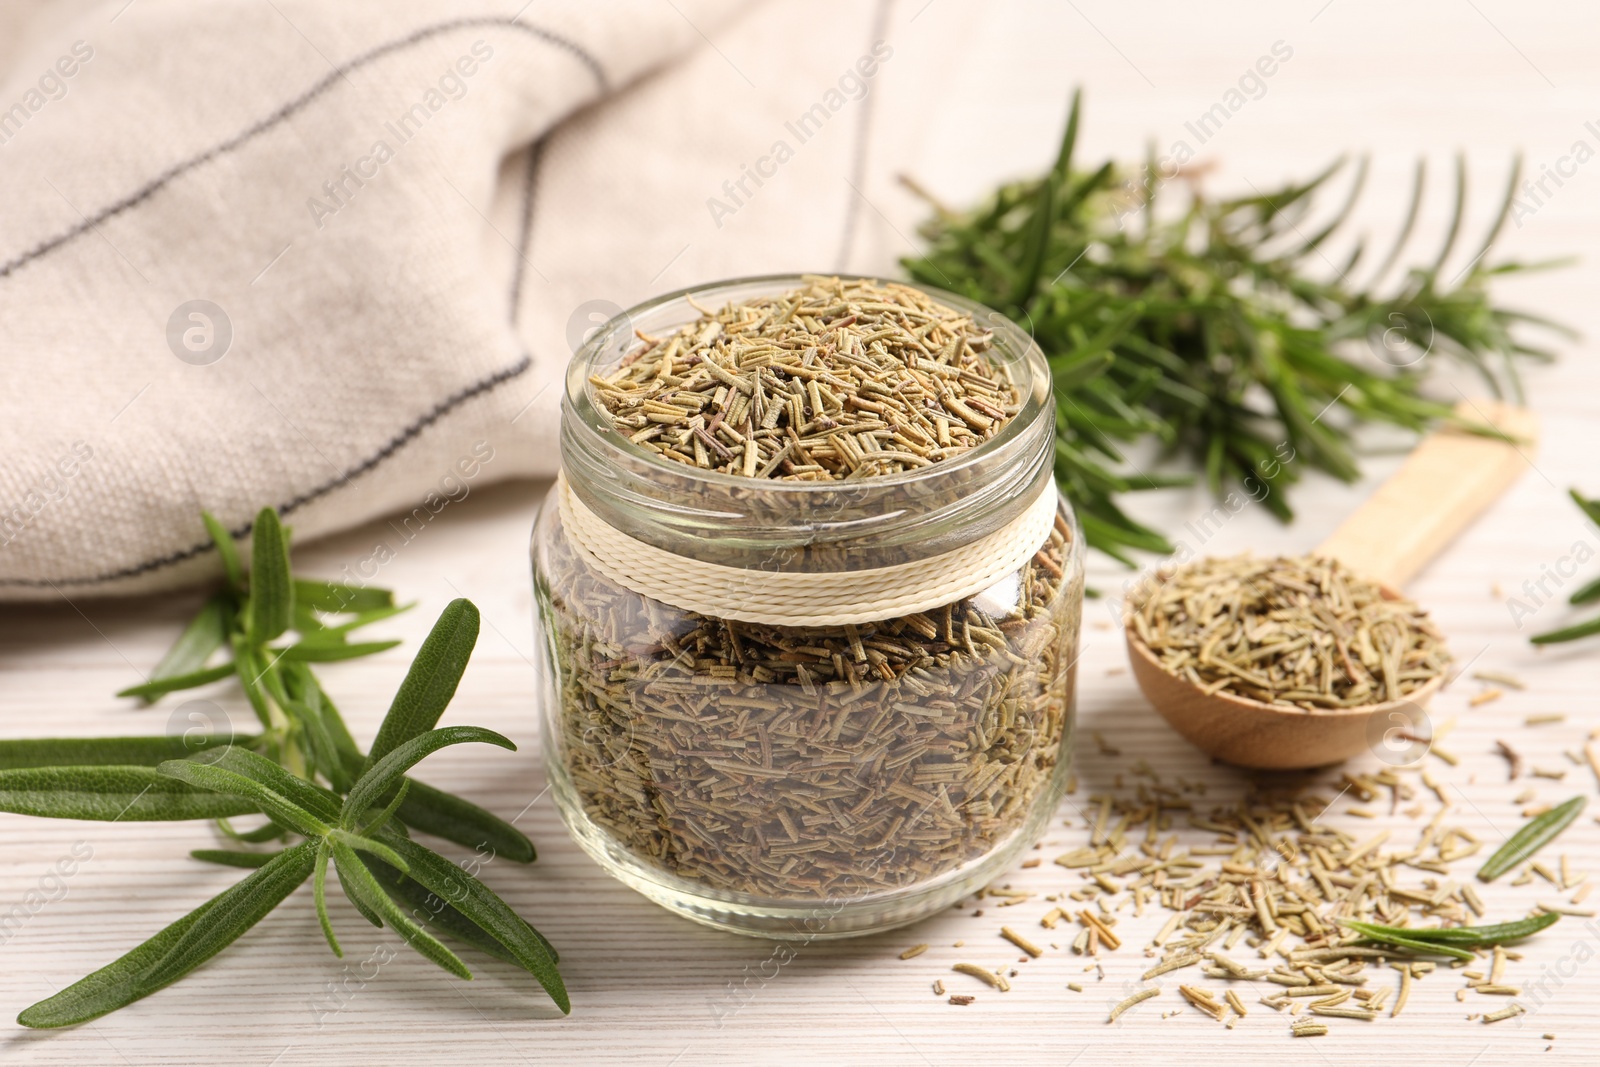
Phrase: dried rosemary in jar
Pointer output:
(810, 603)
(838, 379)
(1298, 631)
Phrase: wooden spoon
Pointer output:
(1444, 485)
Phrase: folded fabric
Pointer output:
(333, 259)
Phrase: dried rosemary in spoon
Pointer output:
(1298, 631)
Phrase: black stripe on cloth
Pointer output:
(393, 445)
(283, 113)
(530, 185)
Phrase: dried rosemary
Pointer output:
(844, 378)
(1317, 911)
(811, 763)
(1299, 631)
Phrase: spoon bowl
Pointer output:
(1450, 478)
(1252, 733)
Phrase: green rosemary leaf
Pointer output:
(380, 820)
(280, 808)
(359, 884)
(198, 936)
(1418, 182)
(1126, 531)
(447, 816)
(338, 597)
(305, 795)
(306, 622)
(326, 633)
(1587, 593)
(1456, 215)
(431, 682)
(267, 831)
(349, 760)
(158, 687)
(479, 903)
(1465, 936)
(386, 773)
(1568, 633)
(1412, 944)
(228, 857)
(365, 912)
(319, 894)
(367, 618)
(318, 651)
(1590, 508)
(1534, 835)
(249, 667)
(433, 909)
(1507, 202)
(206, 632)
(317, 742)
(1044, 214)
(361, 843)
(299, 697)
(112, 794)
(271, 589)
(227, 548)
(1072, 373)
(104, 751)
(232, 912)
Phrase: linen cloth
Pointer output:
(334, 258)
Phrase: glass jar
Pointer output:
(805, 781)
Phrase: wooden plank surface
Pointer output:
(651, 989)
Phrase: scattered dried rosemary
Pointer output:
(841, 379)
(1269, 891)
(1301, 631)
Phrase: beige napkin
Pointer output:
(333, 258)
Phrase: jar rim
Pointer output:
(595, 419)
(803, 525)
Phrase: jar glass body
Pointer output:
(804, 781)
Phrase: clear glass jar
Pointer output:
(805, 782)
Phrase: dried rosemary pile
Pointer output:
(1301, 631)
(1284, 908)
(841, 379)
(812, 763)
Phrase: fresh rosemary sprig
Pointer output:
(1452, 940)
(1589, 593)
(303, 771)
(301, 727)
(360, 828)
(1206, 325)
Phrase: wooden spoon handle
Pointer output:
(1442, 486)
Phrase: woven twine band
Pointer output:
(810, 598)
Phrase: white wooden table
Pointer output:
(651, 989)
